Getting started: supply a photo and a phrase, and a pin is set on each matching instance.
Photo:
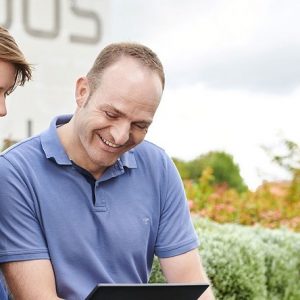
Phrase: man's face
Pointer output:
(7, 81)
(116, 117)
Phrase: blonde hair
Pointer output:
(113, 52)
(11, 53)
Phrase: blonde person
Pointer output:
(14, 71)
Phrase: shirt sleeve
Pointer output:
(21, 235)
(176, 233)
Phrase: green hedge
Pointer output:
(247, 262)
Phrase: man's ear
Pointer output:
(82, 91)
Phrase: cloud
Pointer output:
(245, 45)
(269, 70)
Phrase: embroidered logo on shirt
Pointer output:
(146, 220)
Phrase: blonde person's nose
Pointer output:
(3, 110)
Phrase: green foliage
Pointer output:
(156, 275)
(225, 170)
(282, 260)
(233, 263)
(294, 190)
(182, 168)
(200, 191)
(287, 156)
(248, 262)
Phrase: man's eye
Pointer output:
(141, 125)
(111, 115)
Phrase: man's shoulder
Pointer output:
(147, 146)
(150, 154)
(149, 150)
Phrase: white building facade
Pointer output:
(61, 39)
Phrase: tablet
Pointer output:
(164, 291)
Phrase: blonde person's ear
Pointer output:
(82, 91)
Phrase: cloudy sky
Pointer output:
(233, 75)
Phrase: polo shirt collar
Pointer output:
(127, 160)
(51, 144)
(53, 148)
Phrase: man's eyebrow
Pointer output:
(115, 110)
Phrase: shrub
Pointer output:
(156, 275)
(270, 205)
(233, 261)
(247, 262)
(282, 260)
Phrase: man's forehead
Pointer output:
(124, 61)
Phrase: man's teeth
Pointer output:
(108, 143)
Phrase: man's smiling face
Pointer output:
(116, 116)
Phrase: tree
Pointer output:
(225, 170)
(287, 156)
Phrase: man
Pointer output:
(14, 71)
(89, 200)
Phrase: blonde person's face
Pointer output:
(117, 115)
(7, 81)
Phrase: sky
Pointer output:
(232, 75)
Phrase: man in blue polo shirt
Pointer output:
(88, 200)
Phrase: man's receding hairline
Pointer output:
(116, 60)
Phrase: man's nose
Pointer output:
(120, 133)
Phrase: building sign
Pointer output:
(29, 13)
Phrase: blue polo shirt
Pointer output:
(92, 231)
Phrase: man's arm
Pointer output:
(186, 268)
(32, 279)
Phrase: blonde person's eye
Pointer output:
(7, 93)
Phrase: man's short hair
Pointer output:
(113, 52)
(11, 53)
